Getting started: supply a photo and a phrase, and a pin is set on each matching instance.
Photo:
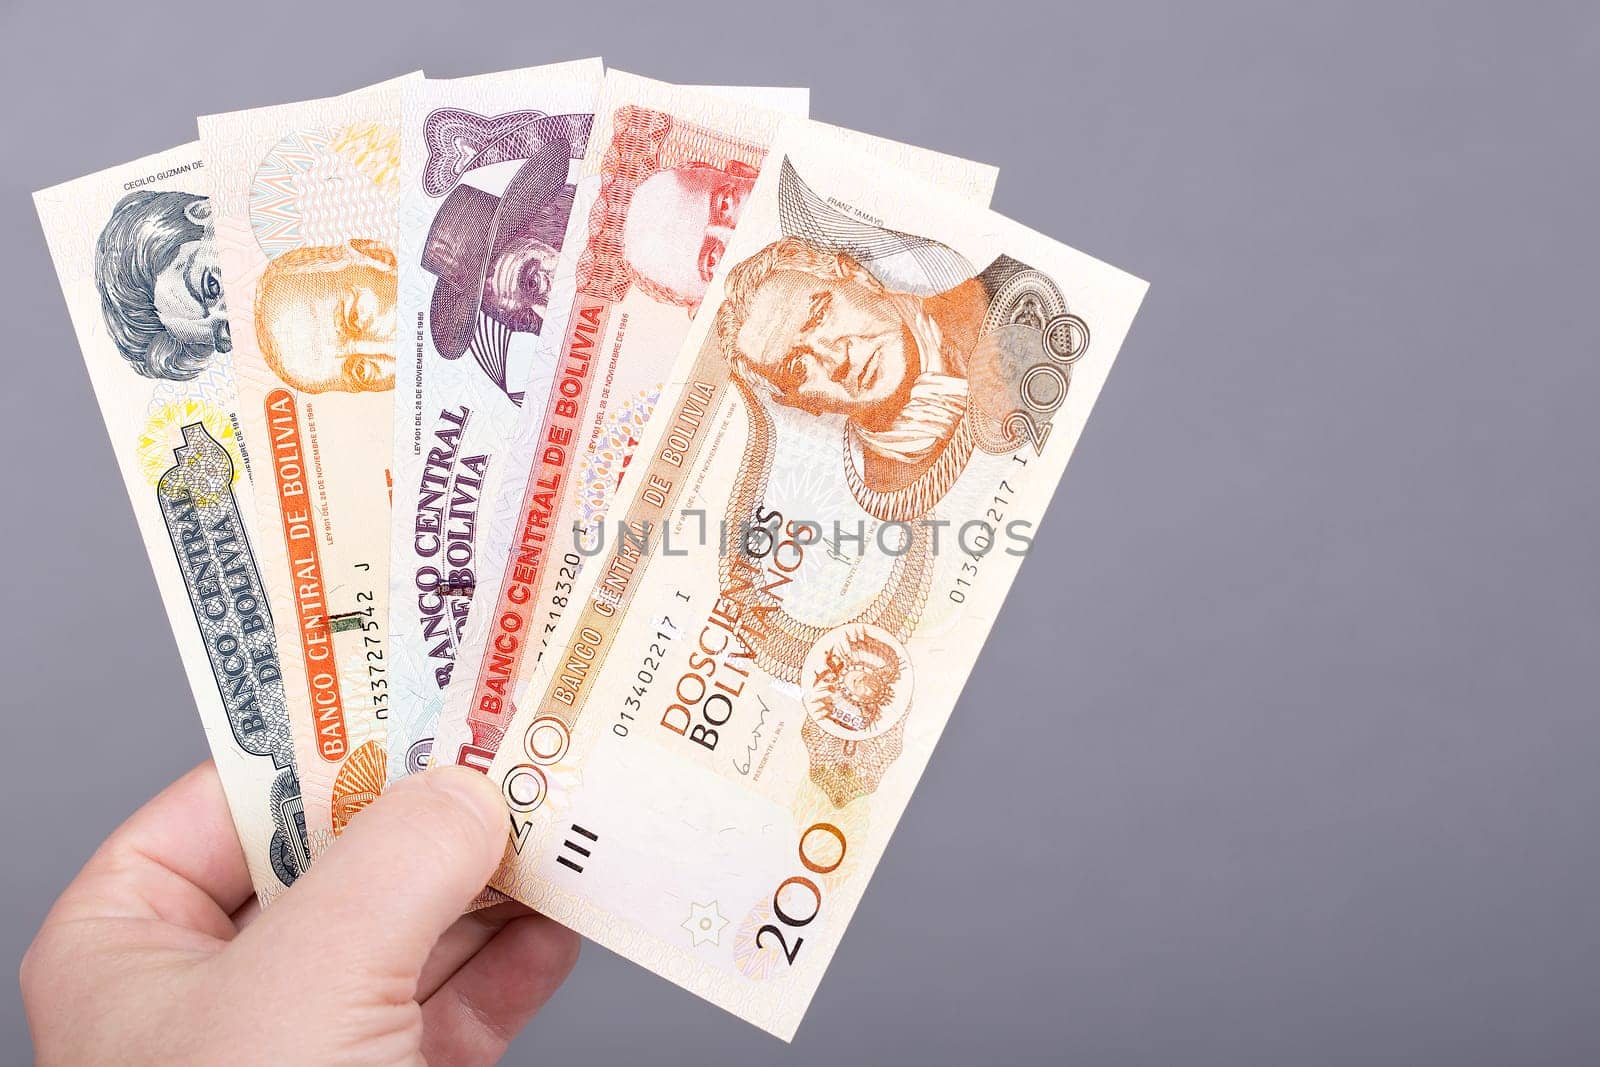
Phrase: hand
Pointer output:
(156, 954)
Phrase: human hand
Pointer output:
(156, 953)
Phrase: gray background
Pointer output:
(1283, 750)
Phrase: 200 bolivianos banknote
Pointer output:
(665, 184)
(868, 418)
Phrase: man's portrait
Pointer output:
(160, 284)
(817, 332)
(516, 286)
(494, 259)
(678, 226)
(325, 317)
(325, 305)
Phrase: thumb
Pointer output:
(381, 896)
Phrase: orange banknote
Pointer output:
(672, 169)
(306, 209)
(820, 523)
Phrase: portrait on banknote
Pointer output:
(678, 226)
(325, 306)
(135, 247)
(325, 317)
(869, 414)
(918, 360)
(494, 255)
(922, 358)
(306, 199)
(160, 283)
(488, 183)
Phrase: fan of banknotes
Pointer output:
(656, 451)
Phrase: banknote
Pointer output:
(673, 169)
(135, 252)
(306, 199)
(715, 144)
(485, 192)
(867, 420)
(485, 453)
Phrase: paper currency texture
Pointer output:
(307, 199)
(699, 154)
(672, 168)
(485, 192)
(865, 424)
(135, 252)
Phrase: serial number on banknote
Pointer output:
(566, 575)
(982, 542)
(654, 655)
(368, 656)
